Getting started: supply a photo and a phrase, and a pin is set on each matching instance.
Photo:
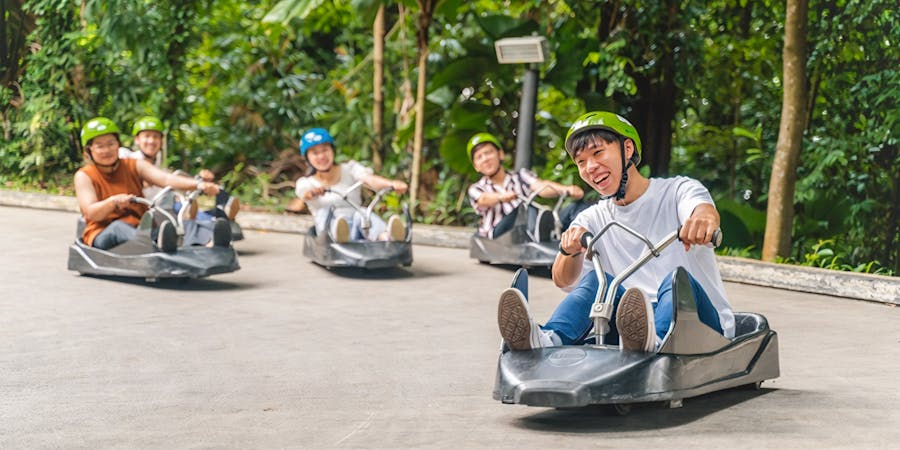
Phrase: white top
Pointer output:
(351, 173)
(659, 211)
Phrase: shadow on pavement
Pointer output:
(542, 272)
(393, 273)
(643, 416)
(178, 284)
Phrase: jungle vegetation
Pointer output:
(403, 84)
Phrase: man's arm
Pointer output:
(551, 189)
(159, 177)
(377, 183)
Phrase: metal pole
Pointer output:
(525, 131)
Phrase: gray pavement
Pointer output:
(285, 354)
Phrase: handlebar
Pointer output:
(367, 212)
(601, 310)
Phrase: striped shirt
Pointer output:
(519, 182)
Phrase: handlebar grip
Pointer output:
(586, 239)
(716, 240)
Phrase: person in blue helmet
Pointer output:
(606, 148)
(325, 178)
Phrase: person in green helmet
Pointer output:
(606, 148)
(496, 196)
(105, 185)
(149, 133)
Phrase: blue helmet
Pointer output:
(314, 136)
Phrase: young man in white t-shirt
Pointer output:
(606, 148)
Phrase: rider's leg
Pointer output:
(662, 309)
(377, 228)
(505, 224)
(114, 234)
(570, 321)
(197, 233)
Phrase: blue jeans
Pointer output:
(114, 234)
(571, 321)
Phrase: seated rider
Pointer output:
(106, 184)
(148, 138)
(606, 148)
(317, 146)
(496, 196)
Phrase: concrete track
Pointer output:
(284, 353)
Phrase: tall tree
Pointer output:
(378, 88)
(780, 210)
(15, 25)
(423, 22)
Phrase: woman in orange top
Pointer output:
(105, 186)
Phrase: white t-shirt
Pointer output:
(351, 173)
(659, 211)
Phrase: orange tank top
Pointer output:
(123, 180)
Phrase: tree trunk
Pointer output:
(654, 113)
(426, 9)
(378, 88)
(780, 210)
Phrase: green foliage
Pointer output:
(236, 82)
(822, 254)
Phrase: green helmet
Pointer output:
(147, 123)
(602, 120)
(98, 126)
(481, 138)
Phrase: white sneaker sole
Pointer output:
(397, 229)
(634, 320)
(514, 321)
(341, 231)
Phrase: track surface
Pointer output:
(284, 353)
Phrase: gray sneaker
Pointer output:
(514, 320)
(221, 233)
(167, 237)
(634, 319)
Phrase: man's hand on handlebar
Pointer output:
(570, 241)
(208, 188)
(700, 228)
(575, 192)
(399, 187)
(120, 201)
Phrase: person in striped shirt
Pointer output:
(497, 195)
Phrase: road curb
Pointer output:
(875, 288)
